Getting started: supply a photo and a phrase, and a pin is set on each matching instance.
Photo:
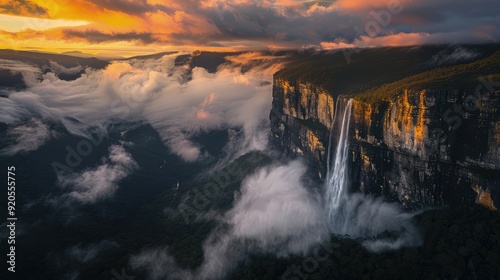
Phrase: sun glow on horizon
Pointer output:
(128, 28)
(12, 23)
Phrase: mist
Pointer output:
(26, 137)
(154, 91)
(360, 215)
(96, 184)
(275, 212)
(368, 216)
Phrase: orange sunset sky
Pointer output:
(126, 28)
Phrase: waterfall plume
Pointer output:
(330, 140)
(360, 215)
(337, 180)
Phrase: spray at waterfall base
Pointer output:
(360, 215)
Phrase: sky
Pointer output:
(127, 28)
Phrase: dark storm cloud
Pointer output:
(266, 23)
(285, 23)
(313, 23)
(415, 23)
(22, 7)
(95, 36)
(448, 16)
(138, 7)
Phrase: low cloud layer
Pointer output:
(29, 72)
(60, 69)
(153, 91)
(26, 137)
(453, 54)
(277, 211)
(274, 213)
(99, 183)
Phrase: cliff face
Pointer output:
(424, 147)
(301, 116)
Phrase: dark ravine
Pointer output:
(431, 141)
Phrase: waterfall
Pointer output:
(330, 139)
(358, 214)
(337, 181)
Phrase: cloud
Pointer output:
(94, 36)
(20, 23)
(277, 211)
(22, 7)
(155, 91)
(368, 216)
(60, 69)
(228, 98)
(29, 72)
(17, 66)
(400, 39)
(27, 137)
(263, 24)
(87, 253)
(337, 44)
(274, 213)
(452, 55)
(137, 7)
(96, 184)
(405, 39)
(356, 5)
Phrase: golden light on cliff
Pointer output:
(484, 198)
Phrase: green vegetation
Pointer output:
(463, 77)
(389, 68)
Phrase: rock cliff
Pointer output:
(422, 139)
